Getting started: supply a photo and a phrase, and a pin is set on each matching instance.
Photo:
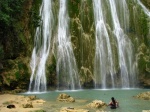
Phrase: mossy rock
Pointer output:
(18, 74)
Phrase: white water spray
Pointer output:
(127, 65)
(104, 69)
(41, 49)
(104, 65)
(147, 12)
(66, 64)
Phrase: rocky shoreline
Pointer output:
(21, 103)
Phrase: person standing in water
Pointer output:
(113, 103)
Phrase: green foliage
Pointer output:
(52, 67)
(74, 7)
(36, 19)
(17, 74)
(144, 59)
(142, 65)
(34, 14)
(19, 29)
(144, 23)
(1, 52)
(23, 71)
(146, 3)
(15, 18)
(22, 75)
(5, 11)
(51, 77)
(10, 11)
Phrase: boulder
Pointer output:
(27, 105)
(144, 95)
(70, 99)
(32, 97)
(96, 104)
(65, 98)
(145, 110)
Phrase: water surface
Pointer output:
(125, 97)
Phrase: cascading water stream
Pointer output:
(147, 12)
(127, 65)
(104, 60)
(104, 65)
(66, 64)
(41, 49)
(112, 62)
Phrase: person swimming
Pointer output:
(113, 103)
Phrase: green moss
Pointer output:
(73, 7)
(17, 75)
(144, 60)
(34, 14)
(1, 52)
(146, 3)
(51, 73)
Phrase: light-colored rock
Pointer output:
(145, 110)
(22, 103)
(144, 95)
(32, 97)
(27, 105)
(96, 104)
(38, 101)
(71, 99)
(65, 98)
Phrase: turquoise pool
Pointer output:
(125, 97)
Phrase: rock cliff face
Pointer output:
(16, 38)
(83, 39)
(16, 44)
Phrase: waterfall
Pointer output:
(41, 48)
(102, 43)
(104, 69)
(127, 65)
(147, 12)
(66, 64)
(104, 64)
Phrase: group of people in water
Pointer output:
(113, 103)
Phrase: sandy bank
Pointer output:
(22, 103)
